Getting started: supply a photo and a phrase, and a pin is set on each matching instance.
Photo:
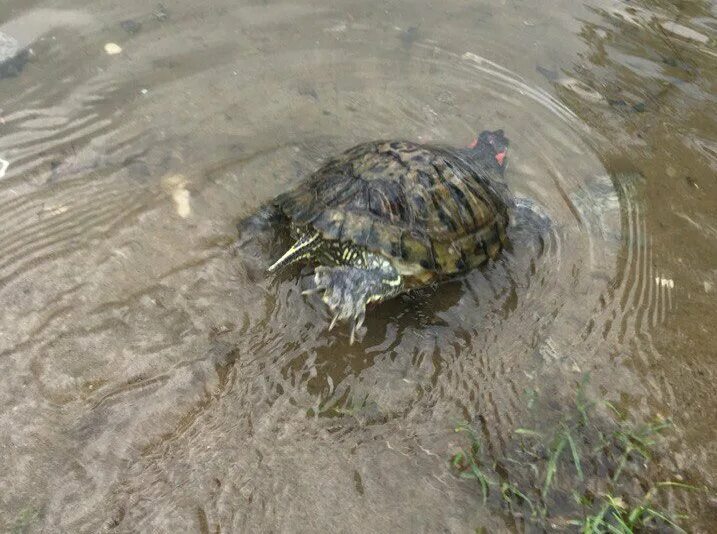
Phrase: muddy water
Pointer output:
(154, 380)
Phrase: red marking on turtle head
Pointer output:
(500, 156)
(473, 143)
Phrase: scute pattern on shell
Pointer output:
(419, 204)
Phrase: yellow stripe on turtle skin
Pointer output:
(395, 282)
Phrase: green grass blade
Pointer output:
(614, 529)
(613, 408)
(621, 465)
(670, 483)
(576, 456)
(654, 513)
(553, 465)
(458, 459)
(658, 427)
(624, 527)
(597, 520)
(635, 514)
(528, 432)
(467, 428)
(484, 487)
(515, 491)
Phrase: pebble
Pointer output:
(113, 49)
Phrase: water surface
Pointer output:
(153, 381)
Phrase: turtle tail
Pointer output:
(303, 248)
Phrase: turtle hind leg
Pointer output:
(347, 290)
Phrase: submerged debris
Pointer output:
(176, 186)
(113, 49)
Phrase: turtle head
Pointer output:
(491, 148)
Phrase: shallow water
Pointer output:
(154, 381)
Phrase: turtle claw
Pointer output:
(359, 320)
(357, 323)
(333, 322)
(312, 291)
(352, 337)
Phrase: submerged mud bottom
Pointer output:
(154, 381)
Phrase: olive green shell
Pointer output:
(427, 209)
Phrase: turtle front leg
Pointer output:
(258, 240)
(347, 290)
(264, 221)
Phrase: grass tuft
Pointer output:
(587, 490)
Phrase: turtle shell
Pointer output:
(431, 211)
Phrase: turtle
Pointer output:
(389, 216)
